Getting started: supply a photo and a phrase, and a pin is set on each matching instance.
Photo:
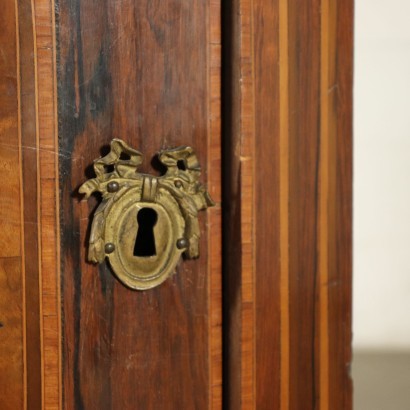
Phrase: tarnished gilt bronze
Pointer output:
(175, 198)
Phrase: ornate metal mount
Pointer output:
(144, 223)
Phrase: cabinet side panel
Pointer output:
(146, 72)
(340, 92)
(288, 181)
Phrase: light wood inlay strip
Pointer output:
(214, 214)
(20, 162)
(247, 176)
(57, 214)
(323, 212)
(284, 204)
(48, 202)
(38, 199)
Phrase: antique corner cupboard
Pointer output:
(262, 92)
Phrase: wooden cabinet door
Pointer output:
(262, 91)
(146, 72)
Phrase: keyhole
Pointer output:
(145, 241)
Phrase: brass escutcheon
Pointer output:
(145, 223)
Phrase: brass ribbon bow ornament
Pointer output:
(176, 197)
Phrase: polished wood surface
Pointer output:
(146, 72)
(238, 199)
(29, 208)
(77, 73)
(30, 189)
(48, 203)
(12, 316)
(289, 142)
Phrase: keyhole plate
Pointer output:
(121, 227)
(175, 197)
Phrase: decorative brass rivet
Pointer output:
(113, 186)
(182, 243)
(178, 183)
(109, 247)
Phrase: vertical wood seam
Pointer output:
(208, 217)
(253, 204)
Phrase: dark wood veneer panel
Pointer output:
(304, 149)
(267, 205)
(340, 269)
(136, 70)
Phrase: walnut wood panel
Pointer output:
(146, 72)
(28, 212)
(48, 202)
(29, 155)
(304, 190)
(288, 137)
(338, 95)
(12, 366)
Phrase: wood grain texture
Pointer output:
(36, 149)
(238, 199)
(339, 89)
(149, 72)
(267, 220)
(30, 174)
(12, 318)
(214, 183)
(146, 72)
(292, 68)
(48, 202)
